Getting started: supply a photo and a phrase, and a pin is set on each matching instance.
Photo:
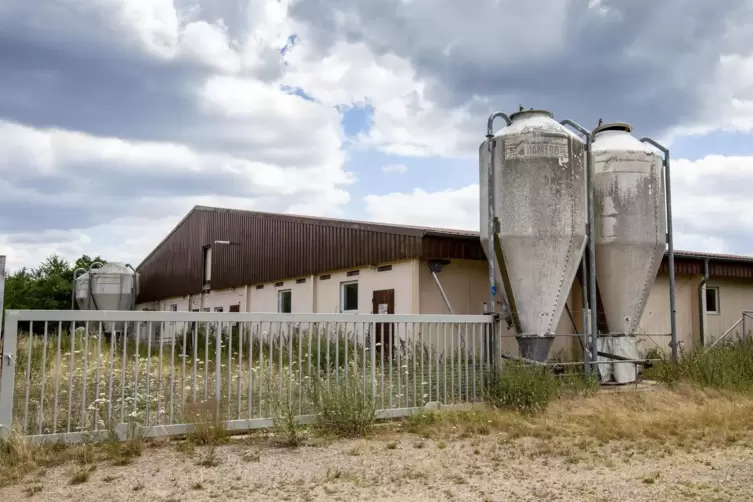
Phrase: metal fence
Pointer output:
(74, 375)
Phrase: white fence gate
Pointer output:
(69, 376)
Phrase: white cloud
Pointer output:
(394, 168)
(404, 120)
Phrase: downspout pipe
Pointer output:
(435, 266)
(589, 276)
(670, 246)
(701, 310)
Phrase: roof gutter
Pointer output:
(701, 313)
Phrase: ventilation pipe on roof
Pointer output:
(701, 310)
(435, 266)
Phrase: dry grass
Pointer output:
(682, 415)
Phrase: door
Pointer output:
(383, 302)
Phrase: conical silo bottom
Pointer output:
(535, 347)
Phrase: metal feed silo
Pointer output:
(630, 236)
(112, 286)
(539, 204)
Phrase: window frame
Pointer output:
(218, 309)
(717, 309)
(280, 294)
(207, 265)
(343, 286)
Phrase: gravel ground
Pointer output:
(406, 467)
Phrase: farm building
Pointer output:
(226, 260)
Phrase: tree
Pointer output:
(47, 287)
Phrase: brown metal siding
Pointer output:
(717, 268)
(452, 248)
(268, 247)
(264, 249)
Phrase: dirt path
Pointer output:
(406, 467)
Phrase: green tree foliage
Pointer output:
(46, 287)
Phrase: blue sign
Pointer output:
(494, 290)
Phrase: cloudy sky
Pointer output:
(118, 116)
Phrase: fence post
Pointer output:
(2, 289)
(8, 373)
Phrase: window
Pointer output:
(195, 310)
(384, 268)
(352, 273)
(207, 309)
(284, 301)
(349, 297)
(218, 309)
(300, 281)
(712, 300)
(207, 264)
(279, 284)
(324, 277)
(174, 307)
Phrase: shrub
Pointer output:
(345, 406)
(521, 387)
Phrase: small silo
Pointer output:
(630, 236)
(112, 286)
(540, 204)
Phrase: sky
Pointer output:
(118, 116)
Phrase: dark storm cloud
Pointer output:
(108, 84)
(641, 61)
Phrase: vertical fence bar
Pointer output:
(391, 357)
(195, 359)
(96, 401)
(363, 359)
(429, 352)
(229, 346)
(399, 366)
(57, 379)
(44, 378)
(183, 356)
(250, 404)
(113, 342)
(71, 370)
(270, 382)
(465, 350)
(346, 337)
(27, 374)
(382, 350)
(421, 352)
(436, 360)
(172, 370)
(218, 368)
(372, 348)
(299, 339)
(337, 353)
(150, 328)
(327, 358)
(239, 376)
(413, 337)
(123, 375)
(444, 358)
(160, 363)
(136, 371)
(474, 363)
(207, 335)
(84, 374)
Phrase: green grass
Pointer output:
(725, 367)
